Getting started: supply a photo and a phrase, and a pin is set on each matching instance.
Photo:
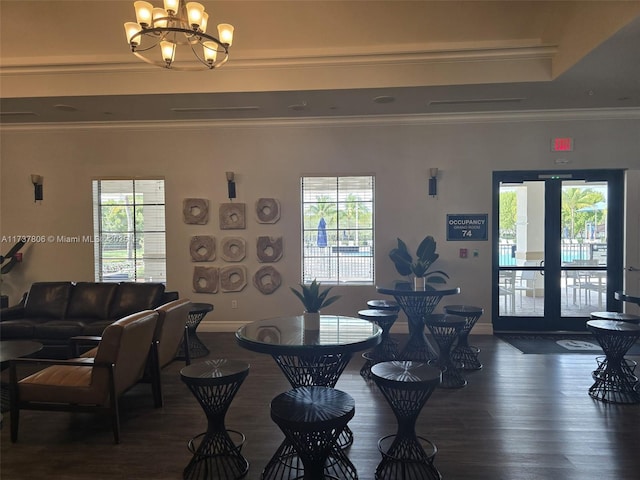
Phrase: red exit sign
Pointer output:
(564, 144)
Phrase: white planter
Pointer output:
(311, 320)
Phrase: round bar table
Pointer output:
(417, 306)
(613, 381)
(310, 352)
(10, 349)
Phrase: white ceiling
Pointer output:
(301, 58)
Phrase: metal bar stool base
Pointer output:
(407, 460)
(216, 457)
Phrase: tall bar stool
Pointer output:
(445, 330)
(214, 383)
(464, 355)
(383, 304)
(312, 419)
(387, 349)
(613, 382)
(406, 385)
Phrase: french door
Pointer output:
(557, 248)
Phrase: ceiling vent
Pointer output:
(247, 108)
(477, 101)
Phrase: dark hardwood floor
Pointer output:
(522, 417)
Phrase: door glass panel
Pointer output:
(522, 237)
(584, 247)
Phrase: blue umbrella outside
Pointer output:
(322, 233)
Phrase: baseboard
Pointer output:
(398, 327)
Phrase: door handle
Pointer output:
(633, 269)
(542, 265)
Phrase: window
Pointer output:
(337, 229)
(129, 230)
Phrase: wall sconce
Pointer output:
(37, 186)
(231, 185)
(433, 182)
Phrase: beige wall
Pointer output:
(268, 159)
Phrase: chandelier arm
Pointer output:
(162, 31)
(180, 68)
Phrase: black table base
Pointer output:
(417, 308)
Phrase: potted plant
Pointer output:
(425, 257)
(312, 298)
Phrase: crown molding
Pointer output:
(377, 120)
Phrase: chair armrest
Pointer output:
(11, 313)
(84, 362)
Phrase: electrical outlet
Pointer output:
(234, 304)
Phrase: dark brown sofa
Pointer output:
(53, 312)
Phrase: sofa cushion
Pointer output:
(61, 329)
(95, 328)
(48, 299)
(134, 297)
(91, 300)
(16, 329)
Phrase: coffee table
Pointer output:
(10, 349)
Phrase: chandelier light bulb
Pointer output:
(171, 6)
(195, 12)
(131, 28)
(159, 18)
(210, 50)
(168, 51)
(225, 32)
(144, 14)
(203, 24)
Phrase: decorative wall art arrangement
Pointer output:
(206, 279)
(195, 211)
(233, 249)
(269, 249)
(268, 210)
(267, 279)
(232, 216)
(202, 248)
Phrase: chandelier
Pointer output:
(164, 36)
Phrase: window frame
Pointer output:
(349, 252)
(158, 230)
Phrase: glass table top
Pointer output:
(297, 334)
(405, 287)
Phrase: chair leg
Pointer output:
(156, 380)
(185, 346)
(13, 402)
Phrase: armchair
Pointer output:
(88, 384)
(171, 331)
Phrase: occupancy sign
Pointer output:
(467, 226)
